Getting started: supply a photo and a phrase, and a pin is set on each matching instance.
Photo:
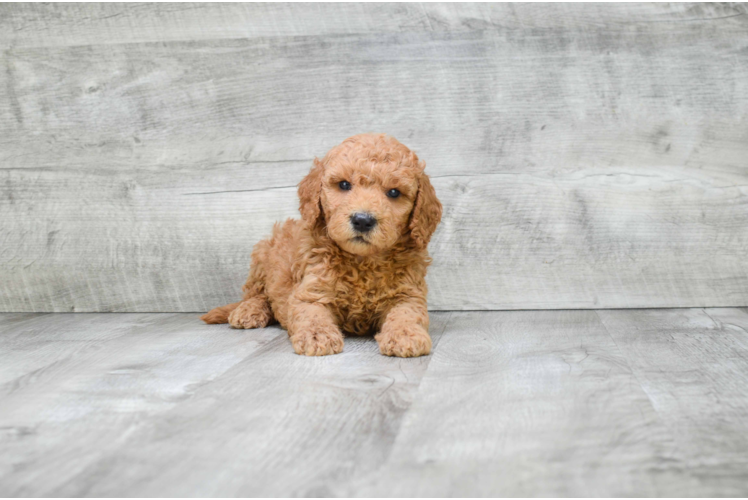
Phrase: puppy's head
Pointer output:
(369, 192)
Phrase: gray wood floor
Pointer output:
(608, 402)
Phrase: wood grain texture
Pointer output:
(44, 25)
(532, 403)
(95, 379)
(587, 155)
(199, 410)
(693, 365)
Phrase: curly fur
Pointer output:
(319, 278)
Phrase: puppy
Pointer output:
(356, 262)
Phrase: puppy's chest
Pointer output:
(363, 296)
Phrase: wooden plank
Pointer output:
(693, 365)
(37, 25)
(26, 25)
(582, 164)
(32, 347)
(531, 403)
(195, 404)
(74, 386)
(8, 320)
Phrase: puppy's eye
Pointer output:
(393, 193)
(345, 185)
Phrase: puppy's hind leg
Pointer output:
(219, 315)
(254, 312)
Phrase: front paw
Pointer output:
(403, 340)
(317, 342)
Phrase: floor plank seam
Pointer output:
(417, 392)
(717, 323)
(634, 373)
(674, 453)
(441, 334)
(721, 324)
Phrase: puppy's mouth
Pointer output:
(360, 239)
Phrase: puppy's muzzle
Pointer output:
(363, 222)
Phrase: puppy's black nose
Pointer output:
(363, 222)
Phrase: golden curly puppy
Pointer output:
(356, 262)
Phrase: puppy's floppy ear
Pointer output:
(309, 193)
(427, 212)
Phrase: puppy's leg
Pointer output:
(313, 330)
(405, 330)
(254, 312)
(219, 315)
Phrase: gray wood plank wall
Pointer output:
(587, 155)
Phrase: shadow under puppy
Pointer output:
(356, 262)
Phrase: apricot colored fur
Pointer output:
(319, 281)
